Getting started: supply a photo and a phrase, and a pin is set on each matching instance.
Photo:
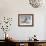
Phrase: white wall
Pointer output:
(11, 8)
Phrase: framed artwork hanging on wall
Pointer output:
(25, 20)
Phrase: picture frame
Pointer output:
(25, 20)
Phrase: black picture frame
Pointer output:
(26, 20)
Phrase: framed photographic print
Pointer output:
(25, 19)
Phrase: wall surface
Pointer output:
(11, 8)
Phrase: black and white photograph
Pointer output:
(25, 20)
